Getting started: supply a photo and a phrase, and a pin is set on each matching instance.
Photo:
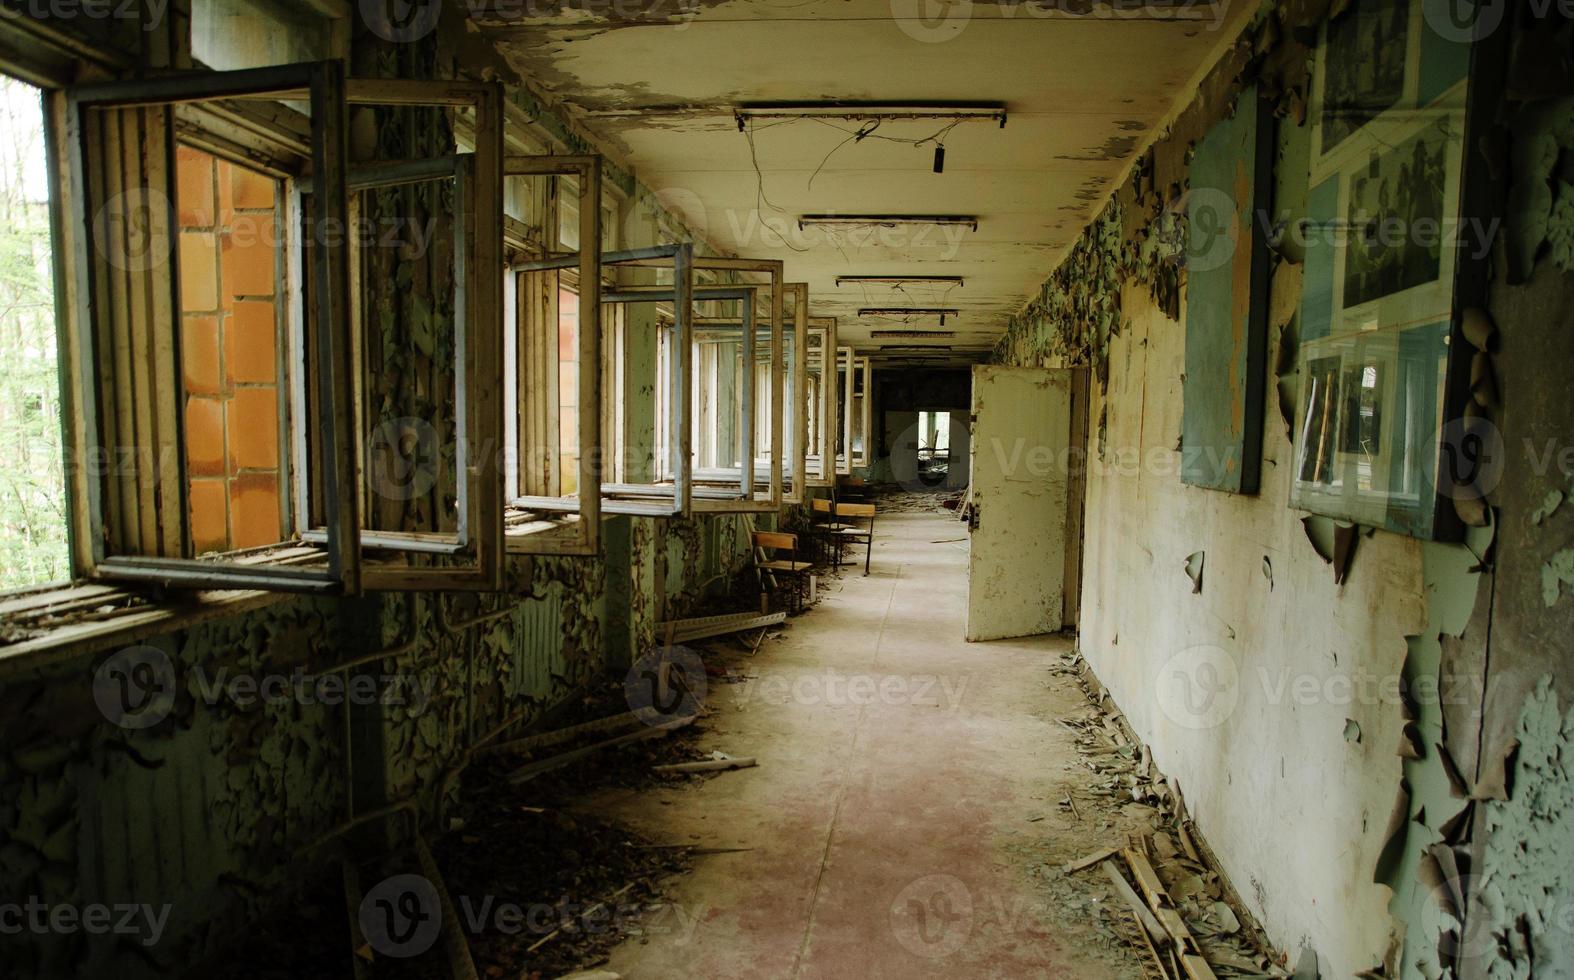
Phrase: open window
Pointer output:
(223, 348)
(658, 353)
(705, 379)
(427, 395)
(739, 385)
(844, 415)
(179, 474)
(859, 401)
(554, 366)
(820, 399)
(795, 316)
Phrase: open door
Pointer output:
(1022, 520)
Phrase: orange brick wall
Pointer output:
(229, 243)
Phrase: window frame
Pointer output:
(825, 407)
(863, 369)
(646, 500)
(795, 400)
(87, 303)
(747, 473)
(844, 409)
(577, 529)
(478, 340)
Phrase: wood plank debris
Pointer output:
(1186, 949)
(1199, 917)
(703, 627)
(1073, 867)
(707, 765)
(534, 769)
(1156, 933)
(561, 735)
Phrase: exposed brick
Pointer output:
(253, 419)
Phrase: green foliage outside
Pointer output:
(32, 479)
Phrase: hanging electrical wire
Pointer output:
(867, 131)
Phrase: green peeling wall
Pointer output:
(1381, 762)
(215, 810)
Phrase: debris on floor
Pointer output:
(1203, 930)
(522, 917)
(718, 762)
(892, 498)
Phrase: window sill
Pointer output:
(50, 626)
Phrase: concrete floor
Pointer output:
(904, 819)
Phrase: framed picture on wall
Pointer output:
(1366, 66)
(1384, 252)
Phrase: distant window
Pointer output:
(934, 429)
(33, 519)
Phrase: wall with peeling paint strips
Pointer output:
(1417, 828)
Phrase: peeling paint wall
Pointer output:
(213, 809)
(1376, 756)
(1244, 689)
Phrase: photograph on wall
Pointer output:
(1367, 450)
(1364, 67)
(1395, 218)
(1378, 305)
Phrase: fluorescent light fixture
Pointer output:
(902, 280)
(925, 348)
(913, 334)
(855, 110)
(889, 220)
(941, 312)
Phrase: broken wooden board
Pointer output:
(1186, 948)
(685, 630)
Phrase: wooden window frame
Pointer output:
(844, 409)
(478, 340)
(823, 471)
(101, 310)
(710, 492)
(647, 500)
(795, 420)
(563, 526)
(863, 367)
(713, 494)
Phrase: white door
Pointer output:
(1021, 462)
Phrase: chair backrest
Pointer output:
(773, 540)
(821, 505)
(855, 510)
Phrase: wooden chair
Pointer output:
(824, 530)
(767, 544)
(854, 533)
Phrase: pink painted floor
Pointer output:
(907, 788)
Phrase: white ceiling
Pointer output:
(1084, 94)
